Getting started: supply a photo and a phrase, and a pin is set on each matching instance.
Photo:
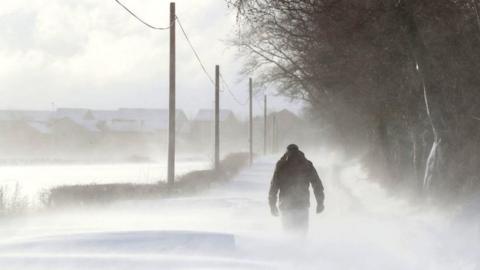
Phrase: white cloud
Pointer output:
(90, 53)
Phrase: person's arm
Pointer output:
(273, 193)
(317, 188)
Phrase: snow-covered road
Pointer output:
(230, 227)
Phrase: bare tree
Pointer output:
(402, 74)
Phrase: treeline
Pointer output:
(396, 80)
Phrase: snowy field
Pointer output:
(34, 179)
(230, 227)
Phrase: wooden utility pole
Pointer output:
(171, 101)
(265, 125)
(250, 85)
(274, 134)
(217, 118)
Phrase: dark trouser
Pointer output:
(295, 220)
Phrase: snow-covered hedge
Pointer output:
(192, 182)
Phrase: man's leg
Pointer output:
(295, 220)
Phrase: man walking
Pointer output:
(291, 180)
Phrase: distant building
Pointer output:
(23, 131)
(74, 130)
(284, 127)
(34, 121)
(124, 120)
(202, 128)
(203, 123)
(208, 116)
(82, 117)
(146, 120)
(80, 131)
(287, 118)
(19, 115)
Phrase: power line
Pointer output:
(203, 66)
(225, 84)
(259, 103)
(257, 96)
(194, 51)
(191, 47)
(139, 19)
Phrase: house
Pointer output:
(203, 123)
(82, 117)
(27, 115)
(38, 121)
(43, 128)
(24, 130)
(123, 120)
(286, 118)
(284, 127)
(208, 116)
(146, 120)
(73, 131)
(202, 128)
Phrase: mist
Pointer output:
(355, 124)
(363, 227)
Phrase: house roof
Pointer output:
(125, 126)
(104, 115)
(149, 114)
(122, 120)
(81, 117)
(149, 120)
(287, 112)
(36, 120)
(20, 115)
(42, 128)
(208, 115)
(285, 115)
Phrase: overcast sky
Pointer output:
(93, 54)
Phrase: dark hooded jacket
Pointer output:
(292, 178)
